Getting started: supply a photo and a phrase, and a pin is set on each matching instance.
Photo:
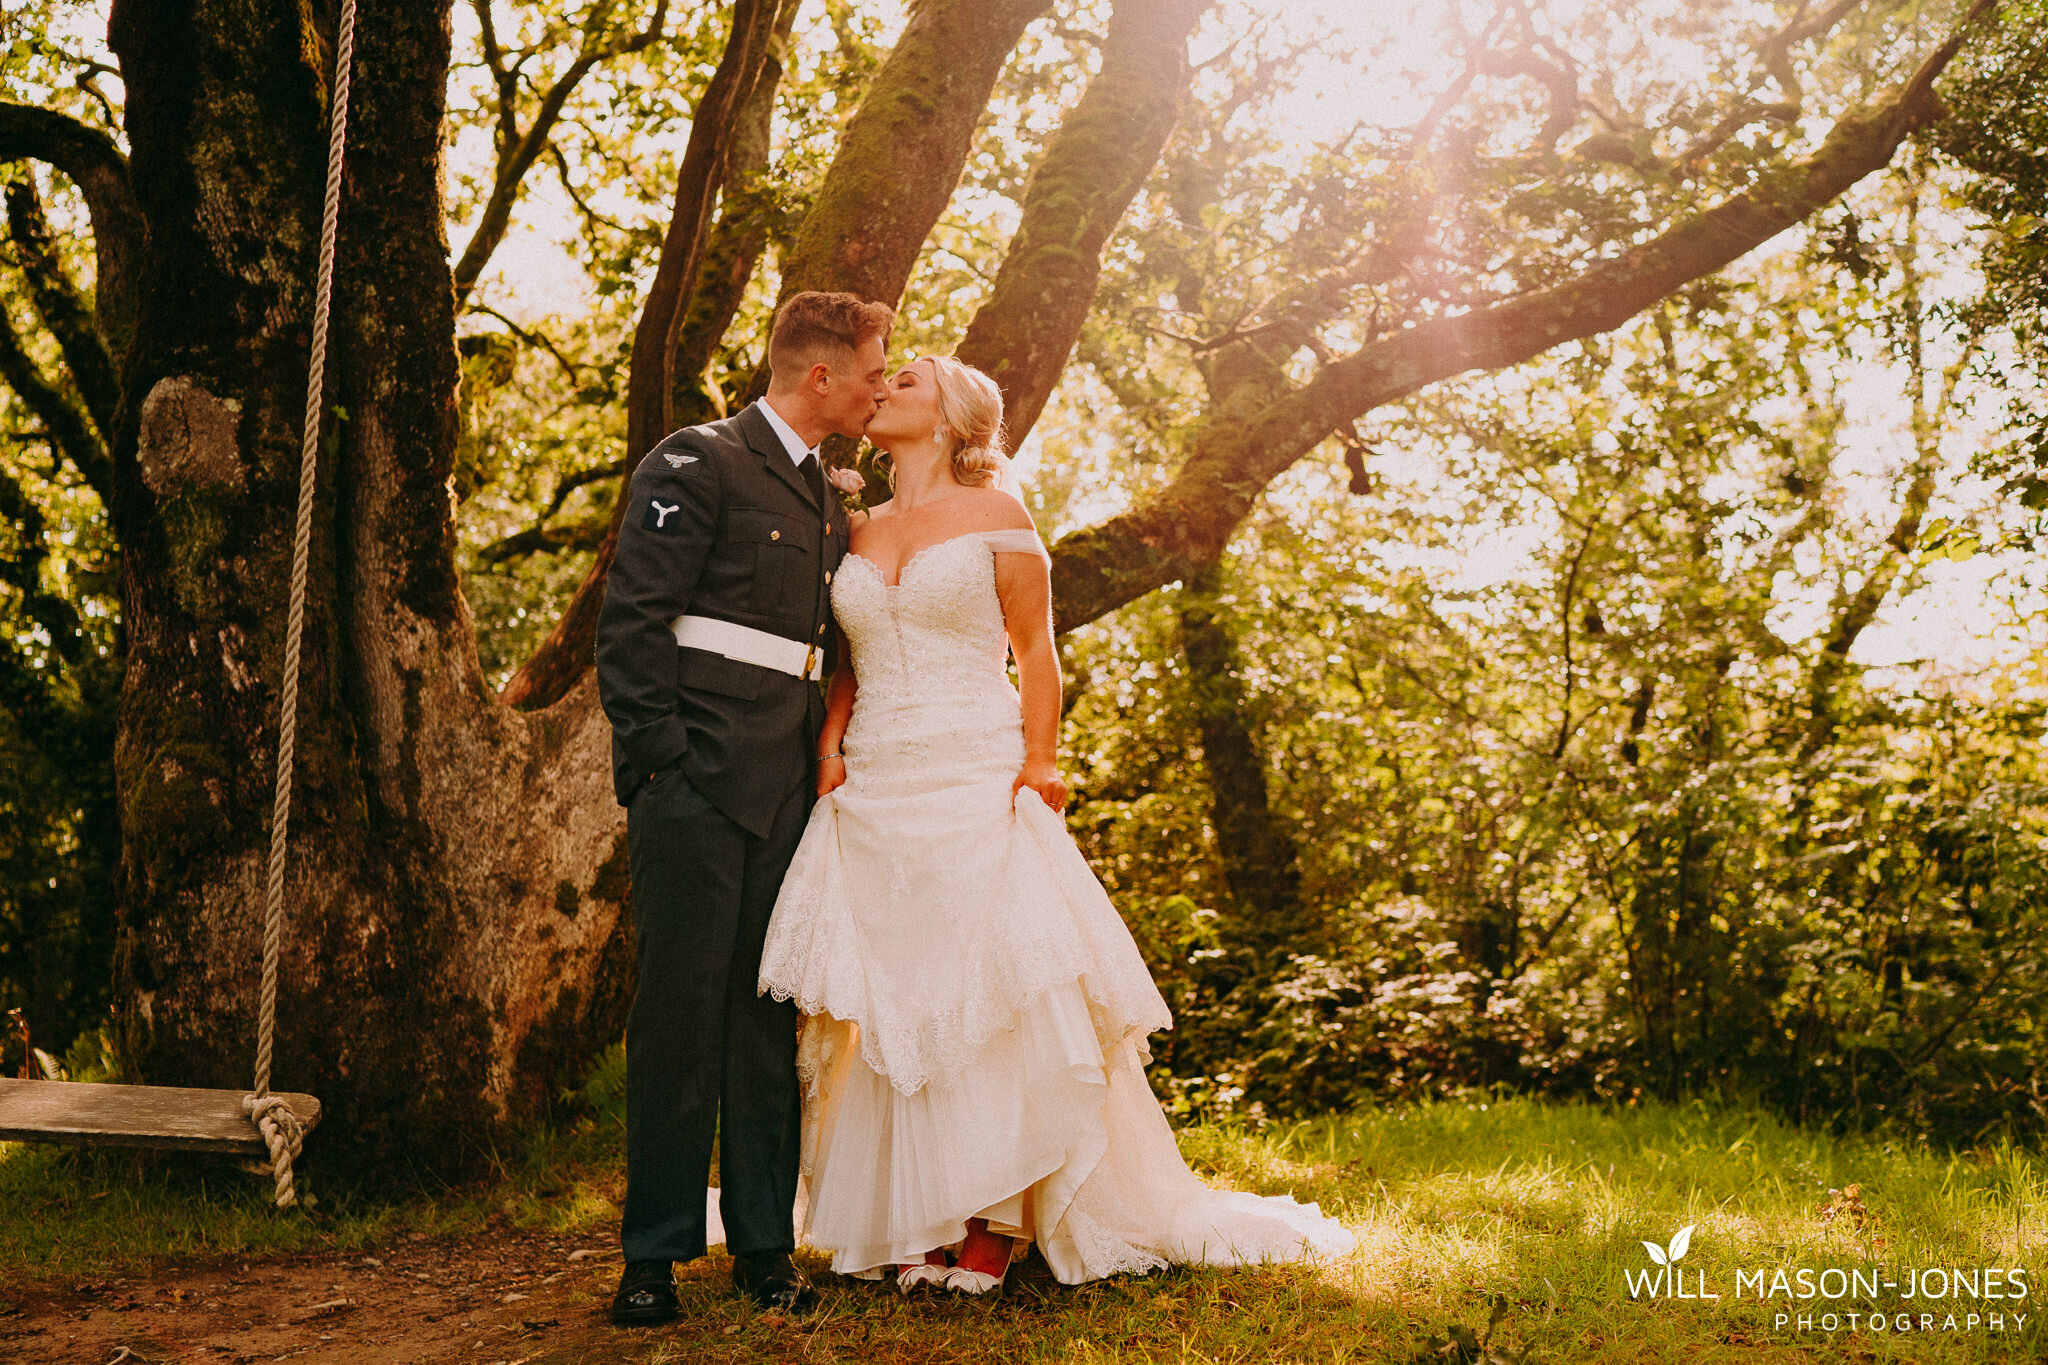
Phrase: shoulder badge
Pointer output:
(657, 515)
(678, 461)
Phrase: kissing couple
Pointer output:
(872, 962)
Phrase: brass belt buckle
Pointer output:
(813, 658)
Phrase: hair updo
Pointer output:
(970, 420)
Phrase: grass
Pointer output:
(1522, 1214)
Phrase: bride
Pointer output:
(976, 1013)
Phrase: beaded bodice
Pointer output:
(929, 655)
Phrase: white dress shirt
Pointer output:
(791, 442)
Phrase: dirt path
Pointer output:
(499, 1296)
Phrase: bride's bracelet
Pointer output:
(834, 754)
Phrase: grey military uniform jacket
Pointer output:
(720, 523)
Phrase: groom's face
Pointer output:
(858, 386)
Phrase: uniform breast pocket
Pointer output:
(781, 562)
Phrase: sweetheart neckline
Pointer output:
(904, 572)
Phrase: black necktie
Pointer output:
(813, 476)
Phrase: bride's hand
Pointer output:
(831, 773)
(1042, 777)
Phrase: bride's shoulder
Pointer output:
(996, 509)
(1002, 524)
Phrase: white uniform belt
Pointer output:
(748, 645)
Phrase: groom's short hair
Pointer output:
(814, 326)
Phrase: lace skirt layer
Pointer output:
(930, 909)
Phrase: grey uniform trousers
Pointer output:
(706, 1055)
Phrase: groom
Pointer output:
(711, 640)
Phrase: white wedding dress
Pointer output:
(976, 1013)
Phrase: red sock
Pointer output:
(985, 1251)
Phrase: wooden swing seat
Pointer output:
(163, 1116)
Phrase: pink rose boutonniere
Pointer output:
(849, 483)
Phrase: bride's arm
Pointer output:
(838, 710)
(1024, 583)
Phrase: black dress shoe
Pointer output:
(768, 1278)
(647, 1294)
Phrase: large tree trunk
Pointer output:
(1260, 861)
(456, 876)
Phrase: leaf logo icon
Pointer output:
(1680, 1241)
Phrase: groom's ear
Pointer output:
(820, 377)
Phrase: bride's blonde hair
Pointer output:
(970, 420)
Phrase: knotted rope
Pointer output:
(282, 1131)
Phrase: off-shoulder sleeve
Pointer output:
(1014, 542)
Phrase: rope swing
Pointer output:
(222, 1120)
(282, 1132)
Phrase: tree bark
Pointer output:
(1079, 191)
(900, 160)
(1189, 521)
(456, 873)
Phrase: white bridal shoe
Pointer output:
(962, 1280)
(909, 1277)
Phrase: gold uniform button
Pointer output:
(821, 630)
(828, 575)
(775, 535)
(828, 528)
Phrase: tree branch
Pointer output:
(590, 215)
(71, 433)
(1556, 75)
(1777, 49)
(564, 656)
(535, 340)
(96, 166)
(1858, 608)
(502, 76)
(586, 534)
(1090, 171)
(518, 151)
(1188, 522)
(904, 148)
(747, 211)
(63, 311)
